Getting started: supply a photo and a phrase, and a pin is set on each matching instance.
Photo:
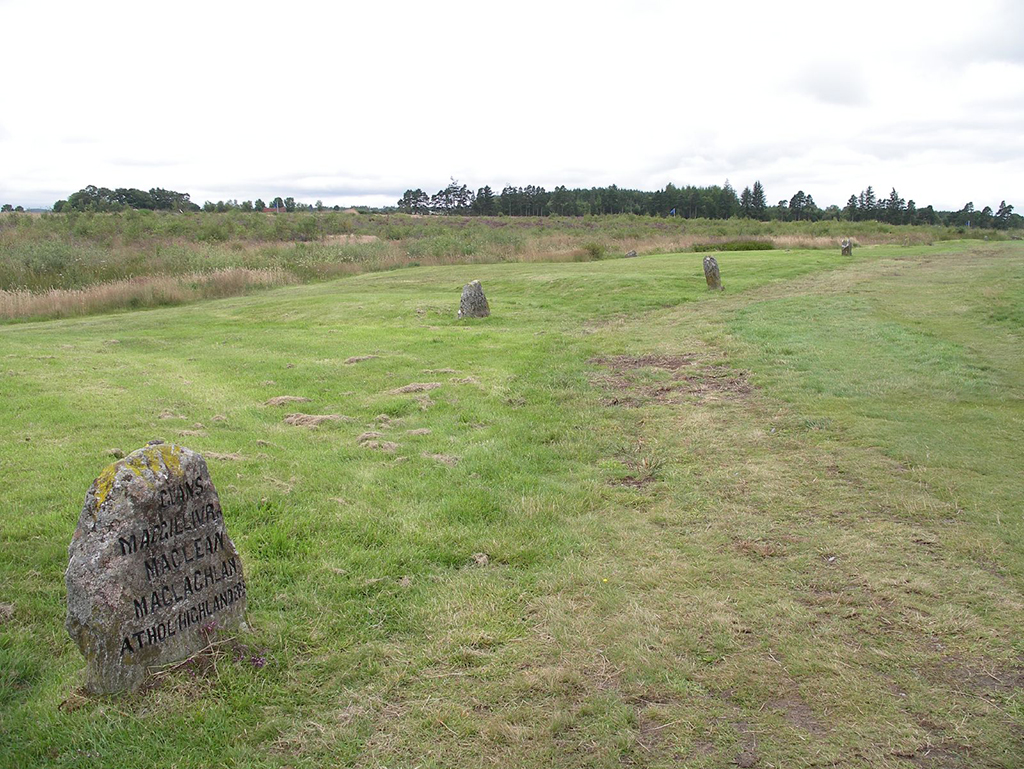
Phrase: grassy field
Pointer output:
(635, 524)
(65, 265)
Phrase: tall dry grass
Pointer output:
(149, 291)
(58, 265)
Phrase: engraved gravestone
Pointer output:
(711, 274)
(473, 303)
(152, 571)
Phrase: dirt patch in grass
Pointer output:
(415, 387)
(388, 446)
(281, 400)
(372, 440)
(358, 359)
(312, 421)
(798, 713)
(748, 743)
(638, 380)
(6, 612)
(988, 681)
(760, 549)
(940, 757)
(621, 363)
(419, 431)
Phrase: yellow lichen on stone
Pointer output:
(104, 483)
(156, 459)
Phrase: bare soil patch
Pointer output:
(229, 457)
(798, 713)
(372, 440)
(280, 400)
(985, 679)
(358, 359)
(312, 421)
(692, 377)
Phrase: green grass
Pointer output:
(779, 524)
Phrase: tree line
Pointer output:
(102, 199)
(692, 202)
(105, 200)
(687, 202)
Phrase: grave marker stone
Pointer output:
(152, 571)
(473, 303)
(711, 274)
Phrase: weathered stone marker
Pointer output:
(473, 303)
(711, 273)
(847, 247)
(152, 571)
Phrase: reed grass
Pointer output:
(146, 291)
(53, 265)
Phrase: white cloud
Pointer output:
(355, 103)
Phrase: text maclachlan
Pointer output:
(161, 631)
(169, 594)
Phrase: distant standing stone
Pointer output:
(152, 571)
(847, 247)
(711, 273)
(474, 303)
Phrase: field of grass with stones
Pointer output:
(623, 521)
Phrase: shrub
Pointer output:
(735, 245)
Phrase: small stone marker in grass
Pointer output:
(847, 247)
(474, 303)
(152, 571)
(711, 273)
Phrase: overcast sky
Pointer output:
(356, 102)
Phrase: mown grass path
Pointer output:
(780, 526)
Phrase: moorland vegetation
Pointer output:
(79, 262)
